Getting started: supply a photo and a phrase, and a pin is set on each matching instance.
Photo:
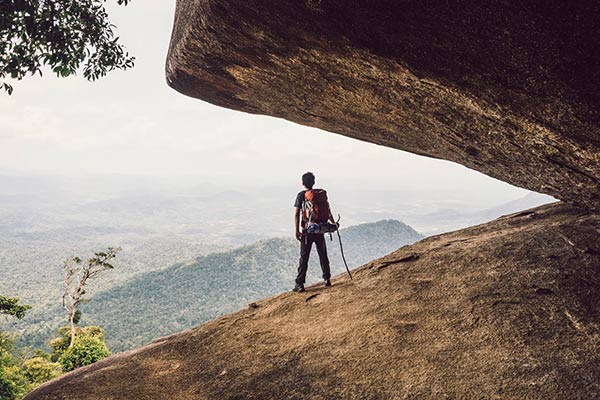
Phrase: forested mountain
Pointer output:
(163, 302)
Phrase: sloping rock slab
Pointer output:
(509, 309)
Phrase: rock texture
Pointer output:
(508, 88)
(508, 309)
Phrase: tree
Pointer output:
(8, 305)
(61, 34)
(88, 347)
(76, 274)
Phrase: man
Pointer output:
(307, 239)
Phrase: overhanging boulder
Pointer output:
(511, 89)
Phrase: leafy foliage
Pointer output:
(8, 305)
(20, 375)
(38, 370)
(18, 378)
(13, 382)
(85, 350)
(62, 34)
(61, 343)
(88, 347)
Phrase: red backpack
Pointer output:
(316, 206)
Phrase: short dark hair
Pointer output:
(308, 180)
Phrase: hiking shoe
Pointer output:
(298, 288)
(327, 282)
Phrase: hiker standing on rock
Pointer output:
(311, 209)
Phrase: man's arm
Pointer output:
(297, 222)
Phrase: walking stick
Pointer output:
(342, 248)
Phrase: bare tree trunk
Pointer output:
(72, 322)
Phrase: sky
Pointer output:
(130, 122)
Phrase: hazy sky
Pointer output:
(132, 123)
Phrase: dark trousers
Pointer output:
(305, 246)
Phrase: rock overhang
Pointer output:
(509, 89)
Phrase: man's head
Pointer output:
(308, 180)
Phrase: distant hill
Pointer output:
(454, 217)
(162, 302)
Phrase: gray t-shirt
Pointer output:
(300, 199)
(298, 204)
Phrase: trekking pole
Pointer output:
(342, 248)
